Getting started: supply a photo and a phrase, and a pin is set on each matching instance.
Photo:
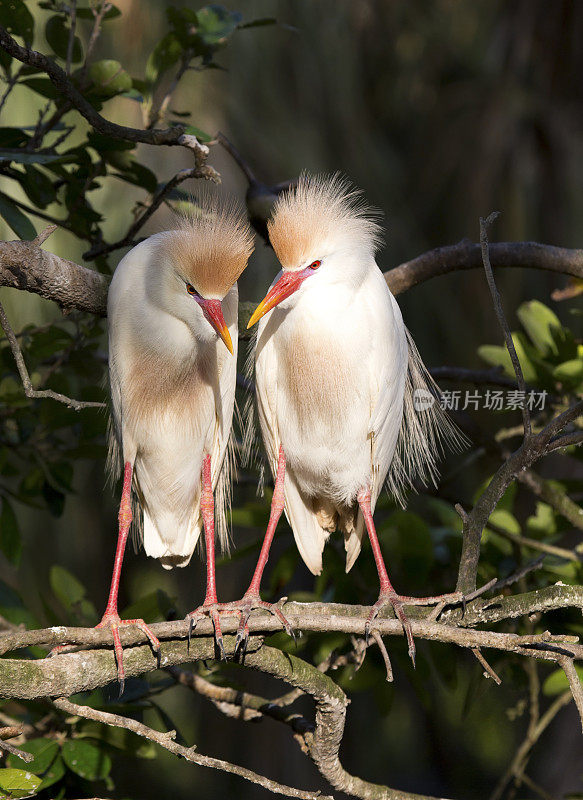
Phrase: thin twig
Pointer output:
(484, 226)
(489, 670)
(531, 450)
(204, 172)
(243, 702)
(98, 15)
(166, 740)
(71, 42)
(531, 739)
(574, 684)
(535, 544)
(29, 390)
(381, 645)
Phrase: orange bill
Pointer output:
(284, 287)
(214, 313)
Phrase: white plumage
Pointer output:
(172, 319)
(336, 372)
(330, 376)
(172, 388)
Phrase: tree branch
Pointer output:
(467, 255)
(24, 265)
(29, 390)
(166, 740)
(474, 523)
(174, 136)
(89, 291)
(102, 249)
(81, 671)
(484, 243)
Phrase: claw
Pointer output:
(190, 630)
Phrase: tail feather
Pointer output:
(309, 535)
(425, 431)
(156, 547)
(223, 492)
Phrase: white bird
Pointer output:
(336, 374)
(172, 319)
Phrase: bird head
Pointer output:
(322, 233)
(204, 257)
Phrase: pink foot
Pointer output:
(113, 621)
(243, 608)
(211, 610)
(397, 601)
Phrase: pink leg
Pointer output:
(210, 605)
(387, 593)
(252, 598)
(111, 616)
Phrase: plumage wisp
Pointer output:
(336, 375)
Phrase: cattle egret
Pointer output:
(172, 314)
(337, 381)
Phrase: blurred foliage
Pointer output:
(45, 177)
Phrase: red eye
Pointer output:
(190, 289)
(315, 264)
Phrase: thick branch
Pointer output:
(24, 265)
(74, 286)
(82, 671)
(61, 81)
(467, 255)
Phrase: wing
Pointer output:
(309, 536)
(387, 368)
(222, 443)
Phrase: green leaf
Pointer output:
(66, 587)
(10, 540)
(505, 520)
(17, 19)
(499, 356)
(86, 760)
(139, 175)
(44, 751)
(215, 23)
(557, 681)
(38, 187)
(570, 372)
(42, 86)
(153, 607)
(109, 78)
(57, 35)
(539, 322)
(191, 130)
(543, 523)
(19, 782)
(54, 774)
(119, 738)
(21, 157)
(19, 222)
(166, 53)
